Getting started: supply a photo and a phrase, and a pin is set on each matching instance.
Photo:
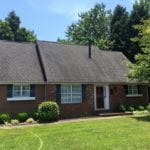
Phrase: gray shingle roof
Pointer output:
(19, 63)
(70, 63)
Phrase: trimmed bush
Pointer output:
(30, 120)
(14, 121)
(5, 117)
(48, 111)
(121, 108)
(34, 115)
(148, 108)
(141, 108)
(22, 117)
(131, 109)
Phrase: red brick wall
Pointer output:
(74, 110)
(119, 97)
(20, 106)
(68, 110)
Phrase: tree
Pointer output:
(141, 10)
(24, 35)
(10, 30)
(5, 31)
(119, 30)
(141, 69)
(13, 21)
(93, 24)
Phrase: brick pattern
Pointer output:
(74, 110)
(118, 97)
(14, 107)
(69, 110)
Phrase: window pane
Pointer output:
(76, 89)
(25, 87)
(132, 89)
(16, 87)
(16, 93)
(71, 93)
(65, 93)
(26, 93)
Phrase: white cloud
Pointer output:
(63, 7)
(67, 7)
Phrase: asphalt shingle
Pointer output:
(19, 62)
(70, 63)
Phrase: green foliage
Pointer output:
(14, 121)
(10, 30)
(141, 69)
(140, 108)
(30, 120)
(1, 121)
(5, 117)
(33, 115)
(148, 108)
(14, 21)
(48, 111)
(121, 108)
(119, 29)
(5, 31)
(140, 11)
(93, 24)
(22, 117)
(131, 108)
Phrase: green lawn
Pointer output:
(123, 133)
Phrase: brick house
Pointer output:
(80, 79)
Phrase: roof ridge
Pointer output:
(21, 42)
(63, 43)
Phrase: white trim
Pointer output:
(106, 97)
(134, 95)
(20, 98)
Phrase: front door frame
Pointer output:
(105, 98)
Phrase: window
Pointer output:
(133, 90)
(71, 93)
(21, 90)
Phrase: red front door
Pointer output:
(99, 97)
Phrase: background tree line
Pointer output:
(109, 30)
(10, 29)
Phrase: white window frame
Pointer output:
(21, 97)
(71, 94)
(21, 90)
(133, 91)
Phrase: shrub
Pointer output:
(14, 121)
(48, 111)
(131, 109)
(5, 118)
(33, 115)
(22, 117)
(30, 120)
(1, 121)
(121, 108)
(141, 108)
(148, 108)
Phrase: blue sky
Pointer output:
(50, 18)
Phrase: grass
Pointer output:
(123, 133)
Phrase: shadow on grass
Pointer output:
(142, 118)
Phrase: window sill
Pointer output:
(71, 103)
(135, 95)
(21, 99)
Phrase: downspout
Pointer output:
(42, 69)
